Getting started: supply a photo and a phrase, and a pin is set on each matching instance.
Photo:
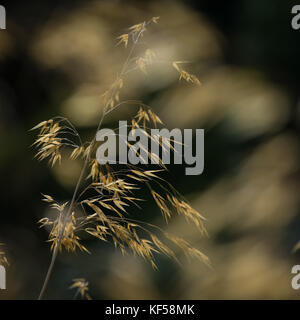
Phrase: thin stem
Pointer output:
(49, 272)
(76, 294)
(55, 253)
(56, 250)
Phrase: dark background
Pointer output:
(249, 107)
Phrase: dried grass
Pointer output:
(109, 194)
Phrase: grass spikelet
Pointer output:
(123, 39)
(82, 288)
(184, 74)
